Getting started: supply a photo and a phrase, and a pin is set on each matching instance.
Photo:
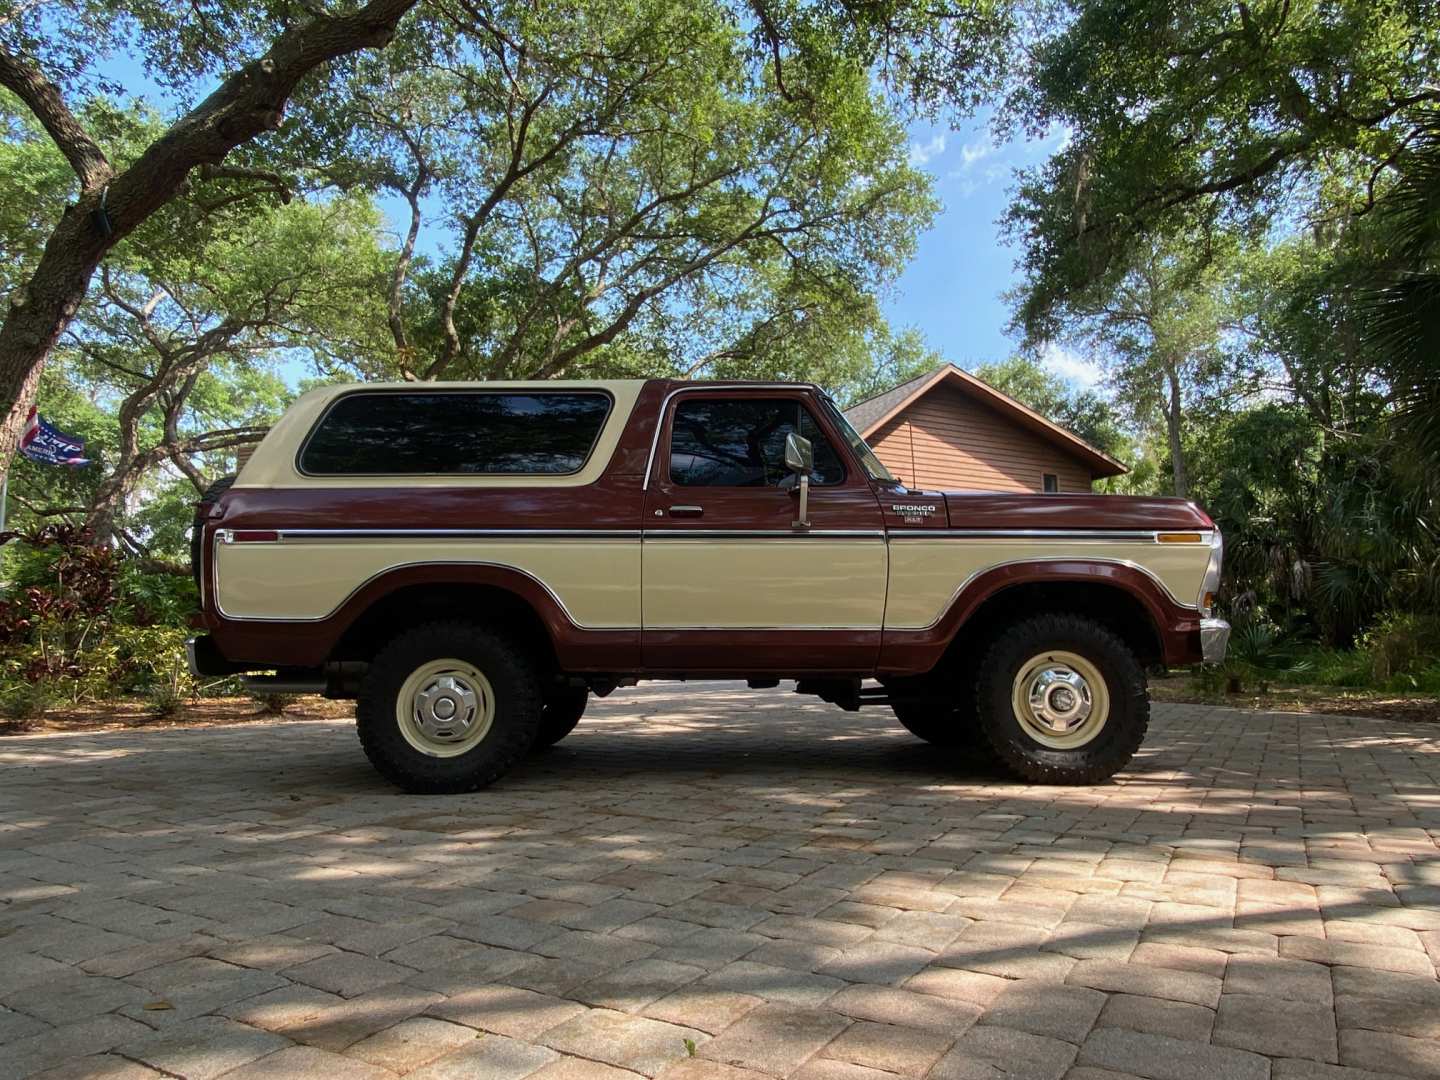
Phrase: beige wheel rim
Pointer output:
(1061, 700)
(445, 708)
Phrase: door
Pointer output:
(731, 583)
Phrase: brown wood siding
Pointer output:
(947, 440)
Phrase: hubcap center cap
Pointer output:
(446, 708)
(1060, 698)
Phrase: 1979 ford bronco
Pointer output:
(471, 561)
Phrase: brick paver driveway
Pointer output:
(772, 886)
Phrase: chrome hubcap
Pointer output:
(445, 708)
(1061, 700)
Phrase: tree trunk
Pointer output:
(246, 104)
(1172, 428)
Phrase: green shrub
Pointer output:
(164, 701)
(1402, 644)
(273, 704)
(25, 701)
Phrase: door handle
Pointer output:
(686, 511)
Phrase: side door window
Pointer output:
(740, 443)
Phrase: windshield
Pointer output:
(867, 456)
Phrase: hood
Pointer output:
(1004, 510)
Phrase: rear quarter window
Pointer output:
(494, 433)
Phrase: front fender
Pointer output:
(1176, 626)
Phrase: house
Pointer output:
(947, 429)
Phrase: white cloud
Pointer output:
(968, 178)
(970, 153)
(923, 153)
(1069, 364)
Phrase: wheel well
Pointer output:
(413, 605)
(1108, 605)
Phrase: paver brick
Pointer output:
(1276, 1027)
(1147, 981)
(907, 1051)
(411, 1043)
(905, 1008)
(1202, 961)
(790, 985)
(308, 1063)
(1046, 1008)
(1163, 1058)
(994, 1052)
(1174, 1019)
(1262, 857)
(347, 974)
(1301, 1069)
(493, 1057)
(629, 1042)
(709, 1009)
(976, 987)
(632, 986)
(204, 1047)
(883, 962)
(100, 1067)
(67, 1001)
(1349, 954)
(1378, 1014)
(1388, 1052)
(506, 1010)
(1292, 980)
(46, 1049)
(342, 1025)
(775, 1039)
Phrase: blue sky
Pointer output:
(951, 292)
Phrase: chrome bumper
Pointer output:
(1214, 637)
(190, 660)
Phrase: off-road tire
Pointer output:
(512, 676)
(202, 511)
(1111, 748)
(562, 711)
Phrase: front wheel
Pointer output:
(448, 707)
(1062, 700)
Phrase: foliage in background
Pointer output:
(78, 624)
(1245, 219)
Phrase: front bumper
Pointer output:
(1214, 638)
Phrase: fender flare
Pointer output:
(1174, 624)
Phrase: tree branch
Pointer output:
(42, 97)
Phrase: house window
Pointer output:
(1050, 483)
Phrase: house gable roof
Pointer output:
(870, 415)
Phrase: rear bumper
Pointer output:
(1214, 639)
(206, 661)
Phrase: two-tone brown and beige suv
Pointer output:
(471, 561)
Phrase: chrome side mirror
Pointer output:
(800, 460)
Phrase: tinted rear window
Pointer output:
(455, 432)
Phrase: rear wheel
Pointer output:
(448, 707)
(1062, 700)
(562, 711)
